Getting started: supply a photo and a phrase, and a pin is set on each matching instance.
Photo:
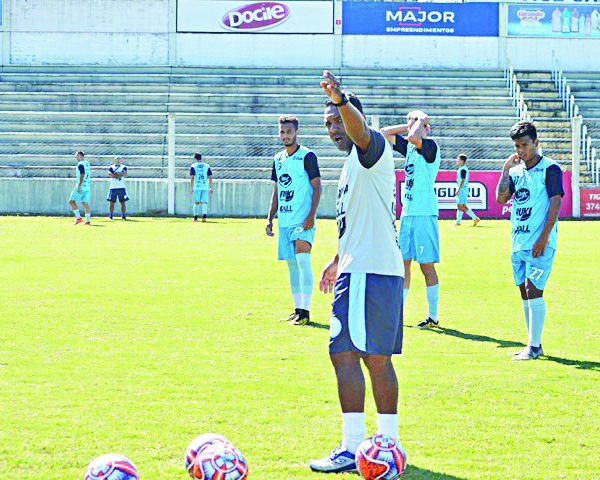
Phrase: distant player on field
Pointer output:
(536, 183)
(81, 192)
(366, 277)
(117, 173)
(200, 185)
(462, 195)
(296, 194)
(419, 236)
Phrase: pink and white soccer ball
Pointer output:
(198, 444)
(380, 458)
(220, 462)
(111, 467)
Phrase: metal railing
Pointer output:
(589, 154)
(517, 97)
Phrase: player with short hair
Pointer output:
(200, 185)
(536, 183)
(462, 194)
(295, 198)
(419, 237)
(117, 173)
(366, 276)
(82, 191)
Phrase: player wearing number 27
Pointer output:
(536, 183)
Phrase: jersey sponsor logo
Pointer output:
(286, 209)
(340, 215)
(285, 180)
(409, 183)
(523, 213)
(409, 168)
(521, 229)
(286, 195)
(522, 195)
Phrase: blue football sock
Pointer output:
(294, 274)
(204, 209)
(537, 315)
(307, 280)
(195, 210)
(526, 314)
(404, 294)
(471, 214)
(432, 299)
(459, 215)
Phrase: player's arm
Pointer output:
(354, 121)
(506, 187)
(329, 275)
(392, 131)
(273, 205)
(209, 174)
(418, 131)
(81, 171)
(123, 173)
(463, 176)
(192, 178)
(311, 165)
(555, 192)
(111, 173)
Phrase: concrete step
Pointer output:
(537, 75)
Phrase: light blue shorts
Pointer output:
(201, 196)
(462, 197)
(419, 238)
(287, 240)
(81, 197)
(537, 270)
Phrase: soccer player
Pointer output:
(81, 192)
(365, 276)
(462, 195)
(117, 173)
(419, 236)
(200, 185)
(295, 198)
(536, 183)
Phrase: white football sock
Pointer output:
(294, 275)
(471, 214)
(87, 217)
(354, 429)
(387, 424)
(537, 316)
(77, 214)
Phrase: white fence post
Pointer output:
(171, 165)
(595, 167)
(576, 153)
(375, 122)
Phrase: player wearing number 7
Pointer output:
(536, 183)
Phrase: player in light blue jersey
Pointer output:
(418, 237)
(81, 192)
(535, 183)
(200, 185)
(295, 199)
(462, 193)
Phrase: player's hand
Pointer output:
(512, 161)
(539, 247)
(425, 120)
(328, 277)
(269, 229)
(210, 190)
(309, 222)
(331, 87)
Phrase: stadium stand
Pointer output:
(230, 115)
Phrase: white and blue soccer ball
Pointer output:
(380, 458)
(220, 462)
(199, 444)
(111, 467)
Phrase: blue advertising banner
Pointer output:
(557, 21)
(447, 19)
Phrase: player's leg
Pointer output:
(111, 209)
(204, 204)
(123, 201)
(428, 254)
(196, 209)
(86, 207)
(306, 280)
(73, 204)
(459, 213)
(123, 210)
(285, 251)
(471, 214)
(385, 392)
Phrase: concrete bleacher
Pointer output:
(585, 86)
(228, 114)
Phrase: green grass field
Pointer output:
(134, 337)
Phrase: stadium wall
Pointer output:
(144, 32)
(231, 198)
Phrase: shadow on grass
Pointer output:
(321, 326)
(413, 472)
(580, 364)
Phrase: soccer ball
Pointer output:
(380, 458)
(220, 462)
(198, 444)
(111, 467)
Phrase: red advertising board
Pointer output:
(482, 194)
(590, 202)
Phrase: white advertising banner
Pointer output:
(217, 16)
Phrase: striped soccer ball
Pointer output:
(198, 444)
(111, 467)
(380, 458)
(220, 462)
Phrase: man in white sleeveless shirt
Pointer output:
(366, 276)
